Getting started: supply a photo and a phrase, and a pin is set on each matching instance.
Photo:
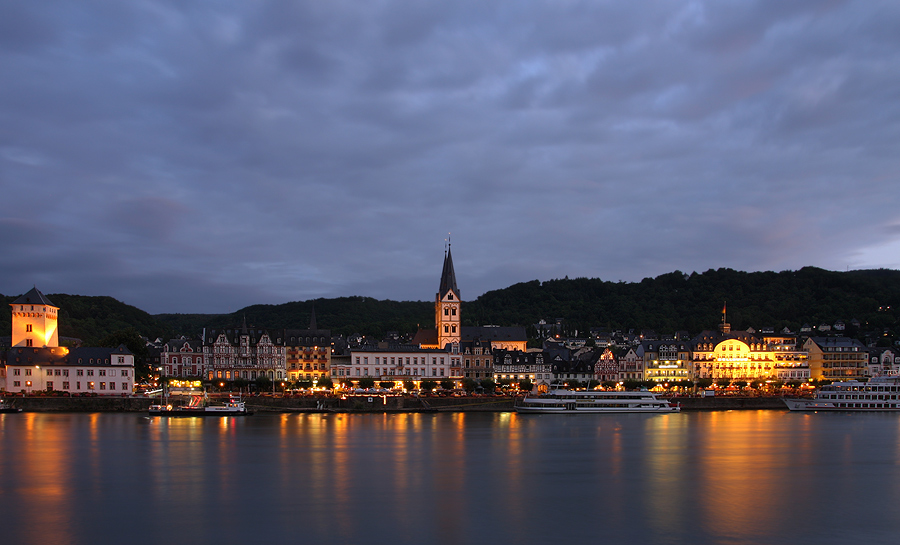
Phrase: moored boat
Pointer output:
(199, 407)
(882, 393)
(6, 407)
(595, 401)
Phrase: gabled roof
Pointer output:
(448, 277)
(426, 337)
(33, 297)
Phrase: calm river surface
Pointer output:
(713, 477)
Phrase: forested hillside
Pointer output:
(670, 302)
(677, 301)
(91, 318)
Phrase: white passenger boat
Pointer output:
(595, 401)
(882, 393)
(199, 407)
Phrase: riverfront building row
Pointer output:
(448, 352)
(455, 352)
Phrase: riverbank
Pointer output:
(375, 403)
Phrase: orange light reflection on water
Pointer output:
(736, 452)
(47, 493)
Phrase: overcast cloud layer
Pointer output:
(202, 156)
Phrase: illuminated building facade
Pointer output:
(36, 362)
(477, 359)
(791, 361)
(182, 358)
(398, 364)
(516, 365)
(747, 355)
(308, 352)
(100, 371)
(607, 367)
(34, 321)
(665, 361)
(836, 358)
(883, 361)
(566, 371)
(245, 353)
(631, 366)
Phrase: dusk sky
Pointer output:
(203, 156)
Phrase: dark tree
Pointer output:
(488, 385)
(428, 385)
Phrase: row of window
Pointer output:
(246, 375)
(396, 360)
(78, 372)
(416, 372)
(65, 385)
(315, 366)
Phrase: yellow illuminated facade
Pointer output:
(745, 355)
(308, 362)
(34, 321)
(837, 358)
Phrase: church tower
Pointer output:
(447, 306)
(34, 321)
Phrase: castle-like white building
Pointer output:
(36, 363)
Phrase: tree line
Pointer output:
(675, 301)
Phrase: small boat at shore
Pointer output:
(882, 393)
(595, 401)
(6, 407)
(200, 407)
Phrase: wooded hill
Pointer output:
(667, 303)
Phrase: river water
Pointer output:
(701, 478)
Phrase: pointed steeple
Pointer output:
(312, 319)
(448, 276)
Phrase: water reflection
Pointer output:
(719, 477)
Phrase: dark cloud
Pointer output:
(196, 157)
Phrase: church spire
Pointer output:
(447, 305)
(448, 276)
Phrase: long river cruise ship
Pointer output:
(882, 393)
(595, 401)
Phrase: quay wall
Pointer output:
(375, 403)
(364, 403)
(728, 403)
(109, 404)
